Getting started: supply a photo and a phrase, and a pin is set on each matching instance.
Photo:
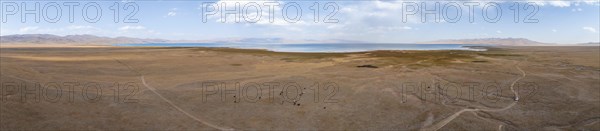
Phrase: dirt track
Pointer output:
(445, 121)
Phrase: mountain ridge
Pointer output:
(86, 39)
(71, 39)
(491, 41)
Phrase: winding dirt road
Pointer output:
(171, 103)
(447, 120)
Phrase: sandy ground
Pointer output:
(120, 88)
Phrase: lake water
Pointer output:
(335, 47)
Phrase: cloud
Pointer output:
(28, 29)
(136, 31)
(276, 21)
(592, 2)
(78, 27)
(554, 30)
(590, 29)
(125, 28)
(560, 3)
(499, 32)
(388, 5)
(172, 12)
(564, 3)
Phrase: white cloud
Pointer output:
(136, 31)
(77, 27)
(590, 29)
(554, 30)
(592, 2)
(577, 10)
(560, 3)
(125, 28)
(499, 32)
(539, 3)
(388, 5)
(276, 21)
(335, 26)
(172, 12)
(564, 3)
(28, 29)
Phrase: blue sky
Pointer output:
(370, 21)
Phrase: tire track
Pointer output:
(447, 120)
(172, 104)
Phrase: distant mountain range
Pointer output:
(491, 41)
(35, 39)
(71, 39)
(590, 44)
(273, 41)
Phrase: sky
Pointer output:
(556, 21)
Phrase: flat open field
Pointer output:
(121, 88)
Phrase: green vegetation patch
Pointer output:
(418, 59)
(286, 56)
(498, 54)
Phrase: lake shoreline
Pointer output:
(322, 47)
